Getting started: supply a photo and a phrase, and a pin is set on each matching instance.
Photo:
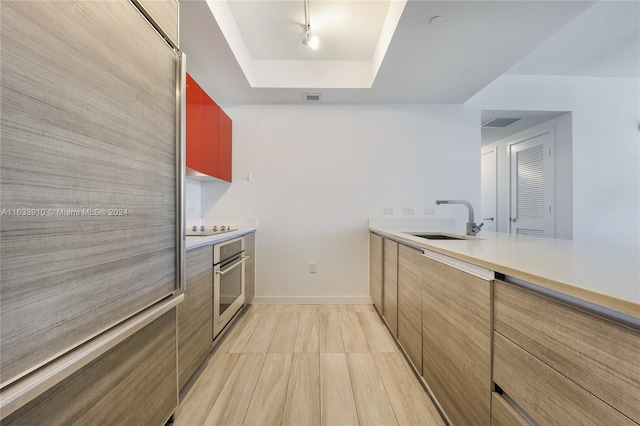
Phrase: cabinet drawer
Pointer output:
(503, 414)
(546, 395)
(601, 356)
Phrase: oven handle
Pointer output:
(227, 270)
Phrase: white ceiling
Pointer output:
(475, 42)
(273, 30)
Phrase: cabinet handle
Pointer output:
(233, 267)
(488, 218)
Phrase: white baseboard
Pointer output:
(311, 300)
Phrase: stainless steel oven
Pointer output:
(228, 281)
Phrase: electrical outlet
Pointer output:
(429, 211)
(190, 210)
(389, 210)
(312, 267)
(409, 210)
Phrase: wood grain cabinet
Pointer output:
(88, 122)
(250, 268)
(600, 356)
(195, 314)
(390, 285)
(375, 270)
(456, 332)
(132, 384)
(410, 304)
(547, 396)
(164, 13)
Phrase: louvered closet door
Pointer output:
(532, 187)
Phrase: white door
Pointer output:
(532, 187)
(489, 190)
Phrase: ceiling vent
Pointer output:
(312, 97)
(499, 122)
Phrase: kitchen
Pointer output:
(312, 175)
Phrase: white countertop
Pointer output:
(194, 242)
(605, 275)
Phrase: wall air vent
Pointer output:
(499, 122)
(312, 97)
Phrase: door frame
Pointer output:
(492, 151)
(550, 184)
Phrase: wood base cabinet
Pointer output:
(250, 268)
(132, 384)
(602, 357)
(456, 330)
(375, 270)
(195, 326)
(390, 285)
(409, 303)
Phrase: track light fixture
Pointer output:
(309, 40)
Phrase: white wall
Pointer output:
(192, 199)
(606, 145)
(319, 171)
(563, 174)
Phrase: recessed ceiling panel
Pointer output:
(274, 29)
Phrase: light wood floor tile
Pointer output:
(376, 333)
(231, 406)
(327, 308)
(330, 333)
(307, 339)
(238, 336)
(302, 405)
(346, 308)
(284, 339)
(374, 407)
(267, 404)
(411, 404)
(197, 404)
(337, 404)
(262, 335)
(329, 341)
(365, 308)
(352, 334)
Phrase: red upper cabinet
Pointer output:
(224, 145)
(209, 137)
(194, 125)
(208, 134)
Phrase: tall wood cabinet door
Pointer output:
(132, 384)
(250, 268)
(195, 326)
(375, 270)
(165, 14)
(225, 146)
(390, 285)
(409, 303)
(456, 314)
(88, 131)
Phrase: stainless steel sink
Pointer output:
(437, 236)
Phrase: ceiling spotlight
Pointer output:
(309, 40)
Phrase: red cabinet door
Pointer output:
(194, 124)
(209, 150)
(208, 134)
(224, 147)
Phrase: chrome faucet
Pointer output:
(472, 228)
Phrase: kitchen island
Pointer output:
(506, 329)
(608, 276)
